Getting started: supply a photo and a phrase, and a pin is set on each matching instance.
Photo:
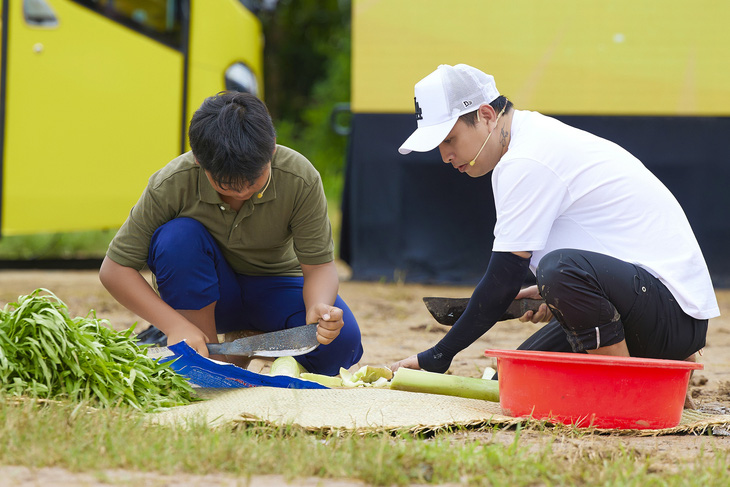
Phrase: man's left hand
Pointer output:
(329, 322)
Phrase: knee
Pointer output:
(178, 231)
(180, 239)
(350, 331)
(550, 268)
(558, 273)
(346, 350)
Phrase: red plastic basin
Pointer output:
(592, 390)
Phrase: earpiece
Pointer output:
(261, 194)
(474, 161)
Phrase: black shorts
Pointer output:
(598, 301)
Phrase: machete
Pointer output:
(282, 343)
(447, 310)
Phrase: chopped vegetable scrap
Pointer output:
(287, 366)
(325, 380)
(403, 380)
(367, 376)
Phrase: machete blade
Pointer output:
(282, 343)
(447, 310)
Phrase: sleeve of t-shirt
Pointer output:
(528, 197)
(130, 246)
(311, 228)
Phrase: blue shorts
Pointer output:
(191, 273)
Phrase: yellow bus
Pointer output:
(651, 75)
(95, 95)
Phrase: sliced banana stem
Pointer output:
(325, 380)
(287, 366)
(449, 385)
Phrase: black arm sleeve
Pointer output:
(504, 277)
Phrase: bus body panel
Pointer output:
(222, 33)
(568, 57)
(91, 108)
(99, 99)
(651, 76)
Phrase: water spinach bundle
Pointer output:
(47, 354)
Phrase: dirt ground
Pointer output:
(396, 324)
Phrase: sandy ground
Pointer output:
(395, 324)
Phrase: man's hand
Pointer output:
(193, 335)
(134, 293)
(329, 322)
(408, 363)
(543, 314)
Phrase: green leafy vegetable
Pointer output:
(45, 353)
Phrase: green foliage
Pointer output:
(307, 71)
(72, 245)
(45, 353)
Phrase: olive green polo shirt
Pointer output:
(267, 236)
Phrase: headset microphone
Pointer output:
(261, 194)
(474, 161)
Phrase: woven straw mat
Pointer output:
(372, 410)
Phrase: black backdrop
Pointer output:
(415, 219)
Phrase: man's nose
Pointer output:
(447, 158)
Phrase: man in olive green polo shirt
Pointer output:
(237, 236)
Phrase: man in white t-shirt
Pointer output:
(612, 251)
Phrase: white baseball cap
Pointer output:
(441, 98)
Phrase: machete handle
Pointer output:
(215, 348)
(519, 307)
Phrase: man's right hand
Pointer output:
(542, 315)
(407, 363)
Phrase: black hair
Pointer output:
(233, 138)
(498, 104)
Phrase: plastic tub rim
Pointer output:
(584, 358)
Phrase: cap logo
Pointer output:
(419, 114)
(467, 103)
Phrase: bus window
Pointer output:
(39, 14)
(159, 19)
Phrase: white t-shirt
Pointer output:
(561, 187)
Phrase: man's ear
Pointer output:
(486, 112)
